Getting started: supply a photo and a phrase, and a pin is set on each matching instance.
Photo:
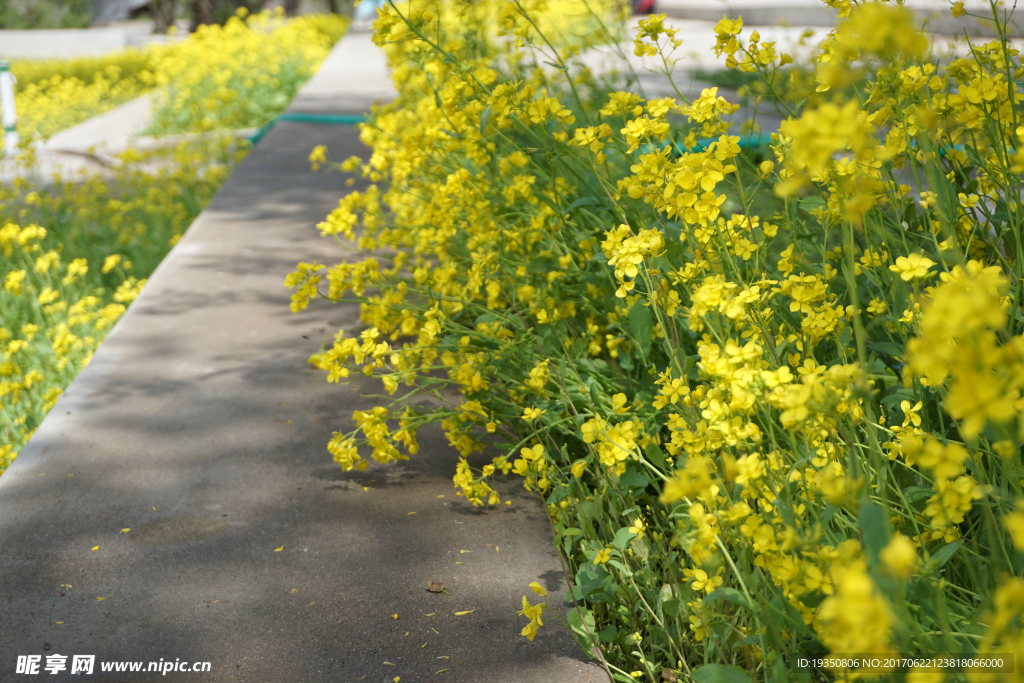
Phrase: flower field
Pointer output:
(75, 253)
(66, 284)
(239, 75)
(771, 395)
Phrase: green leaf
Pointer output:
(620, 566)
(640, 326)
(916, 493)
(571, 531)
(942, 556)
(655, 455)
(810, 203)
(734, 596)
(632, 479)
(790, 617)
(576, 621)
(484, 115)
(887, 348)
(874, 528)
(721, 673)
(830, 511)
(582, 201)
(898, 394)
(622, 537)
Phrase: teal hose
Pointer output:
(332, 119)
(324, 119)
(746, 141)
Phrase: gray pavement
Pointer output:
(200, 427)
(352, 78)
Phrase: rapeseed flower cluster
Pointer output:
(52, 95)
(239, 75)
(772, 397)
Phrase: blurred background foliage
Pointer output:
(20, 14)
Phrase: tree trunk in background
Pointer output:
(202, 13)
(291, 7)
(164, 12)
(332, 6)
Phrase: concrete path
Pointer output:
(366, 79)
(200, 427)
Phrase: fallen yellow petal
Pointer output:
(388, 664)
(441, 496)
(394, 616)
(410, 513)
(101, 598)
(277, 550)
(60, 622)
(295, 590)
(423, 646)
(125, 530)
(440, 672)
(459, 614)
(96, 548)
(462, 552)
(458, 563)
(366, 488)
(432, 614)
(396, 679)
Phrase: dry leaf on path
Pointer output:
(435, 587)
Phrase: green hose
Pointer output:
(745, 142)
(325, 119)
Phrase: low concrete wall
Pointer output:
(77, 42)
(934, 16)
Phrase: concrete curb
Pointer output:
(934, 16)
(200, 427)
(68, 43)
